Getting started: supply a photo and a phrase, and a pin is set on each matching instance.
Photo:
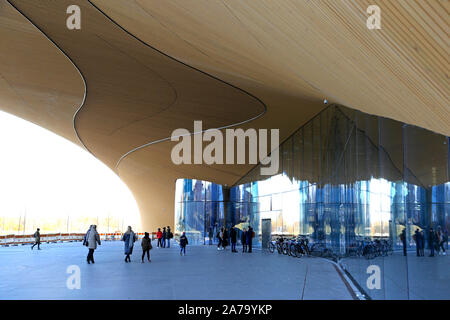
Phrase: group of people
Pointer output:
(246, 239)
(164, 237)
(436, 240)
(92, 238)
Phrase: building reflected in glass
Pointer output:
(345, 178)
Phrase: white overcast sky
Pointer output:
(48, 176)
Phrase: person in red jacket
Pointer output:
(159, 237)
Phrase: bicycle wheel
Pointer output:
(271, 247)
(285, 249)
(279, 248)
(299, 251)
(293, 250)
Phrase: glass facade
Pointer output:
(346, 178)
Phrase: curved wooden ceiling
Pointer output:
(37, 82)
(313, 49)
(246, 56)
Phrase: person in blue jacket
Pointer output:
(129, 238)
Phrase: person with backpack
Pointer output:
(244, 240)
(159, 237)
(37, 239)
(169, 236)
(91, 238)
(146, 245)
(129, 238)
(249, 239)
(233, 238)
(183, 243)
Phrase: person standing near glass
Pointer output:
(440, 241)
(220, 238)
(422, 243)
(210, 236)
(431, 242)
(244, 240)
(250, 235)
(416, 238)
(233, 239)
(403, 239)
(169, 236)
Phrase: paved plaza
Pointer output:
(204, 273)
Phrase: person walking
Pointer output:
(431, 241)
(129, 238)
(37, 239)
(225, 239)
(250, 235)
(244, 240)
(403, 239)
(220, 238)
(233, 238)
(183, 243)
(146, 244)
(169, 236)
(91, 239)
(164, 237)
(159, 237)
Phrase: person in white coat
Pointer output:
(90, 240)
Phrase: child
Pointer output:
(183, 243)
(146, 244)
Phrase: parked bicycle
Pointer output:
(278, 245)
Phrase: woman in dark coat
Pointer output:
(225, 239)
(249, 239)
(129, 238)
(146, 244)
(244, 240)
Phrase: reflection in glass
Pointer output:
(346, 179)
